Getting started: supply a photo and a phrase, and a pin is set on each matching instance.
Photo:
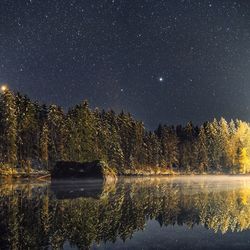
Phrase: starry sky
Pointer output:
(168, 61)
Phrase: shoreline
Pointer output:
(24, 176)
(47, 176)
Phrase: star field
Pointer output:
(164, 61)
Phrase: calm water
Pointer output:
(135, 213)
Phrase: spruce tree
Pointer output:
(44, 144)
(201, 152)
(57, 133)
(9, 125)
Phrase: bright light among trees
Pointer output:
(4, 88)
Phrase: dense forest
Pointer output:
(37, 136)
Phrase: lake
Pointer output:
(199, 212)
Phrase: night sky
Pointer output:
(164, 61)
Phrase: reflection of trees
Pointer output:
(33, 217)
(226, 211)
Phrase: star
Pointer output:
(150, 52)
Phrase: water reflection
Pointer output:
(92, 214)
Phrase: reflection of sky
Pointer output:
(180, 237)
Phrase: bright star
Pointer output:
(161, 79)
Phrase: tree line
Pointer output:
(37, 135)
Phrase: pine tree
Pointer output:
(44, 143)
(112, 141)
(244, 161)
(9, 125)
(152, 149)
(213, 145)
(187, 147)
(82, 133)
(169, 146)
(242, 144)
(128, 137)
(232, 147)
(57, 133)
(138, 143)
(224, 140)
(201, 152)
(28, 128)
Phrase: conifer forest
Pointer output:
(38, 136)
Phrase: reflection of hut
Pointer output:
(66, 189)
(87, 188)
(70, 180)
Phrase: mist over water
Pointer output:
(191, 212)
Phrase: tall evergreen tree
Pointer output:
(44, 145)
(28, 128)
(224, 140)
(82, 132)
(57, 133)
(201, 152)
(9, 126)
